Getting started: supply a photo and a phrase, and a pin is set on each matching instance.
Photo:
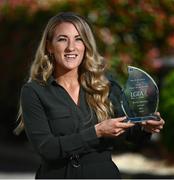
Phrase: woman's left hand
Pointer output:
(153, 126)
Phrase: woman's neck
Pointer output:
(68, 79)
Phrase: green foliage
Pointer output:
(122, 28)
(167, 105)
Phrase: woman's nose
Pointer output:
(71, 45)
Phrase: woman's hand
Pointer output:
(153, 126)
(112, 127)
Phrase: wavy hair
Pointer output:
(91, 71)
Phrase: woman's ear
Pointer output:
(48, 47)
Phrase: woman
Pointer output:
(68, 105)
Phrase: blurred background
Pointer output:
(128, 32)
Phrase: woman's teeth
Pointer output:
(70, 55)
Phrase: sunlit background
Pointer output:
(128, 32)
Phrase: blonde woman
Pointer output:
(67, 106)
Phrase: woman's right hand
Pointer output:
(112, 127)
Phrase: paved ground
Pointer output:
(135, 165)
(14, 175)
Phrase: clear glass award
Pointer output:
(140, 96)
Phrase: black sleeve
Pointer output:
(115, 96)
(137, 135)
(38, 131)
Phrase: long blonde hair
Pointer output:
(91, 71)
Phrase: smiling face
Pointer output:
(67, 47)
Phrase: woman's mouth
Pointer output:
(70, 56)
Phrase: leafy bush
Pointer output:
(167, 107)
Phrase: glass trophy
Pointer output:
(140, 96)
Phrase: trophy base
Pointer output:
(144, 118)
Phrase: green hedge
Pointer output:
(167, 106)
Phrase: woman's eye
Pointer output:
(79, 39)
(61, 39)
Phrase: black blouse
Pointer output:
(58, 128)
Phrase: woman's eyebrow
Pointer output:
(65, 36)
(61, 35)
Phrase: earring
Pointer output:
(51, 56)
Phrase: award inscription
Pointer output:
(140, 96)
